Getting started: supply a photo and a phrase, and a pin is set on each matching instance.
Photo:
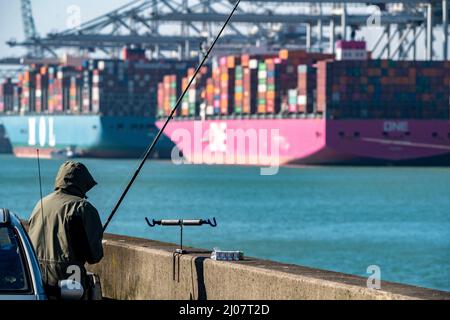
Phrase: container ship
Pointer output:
(296, 107)
(96, 108)
(5, 145)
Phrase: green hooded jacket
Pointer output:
(69, 231)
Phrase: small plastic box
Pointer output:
(221, 255)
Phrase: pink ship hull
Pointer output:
(311, 141)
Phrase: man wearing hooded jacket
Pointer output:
(66, 230)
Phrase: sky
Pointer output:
(49, 15)
(52, 15)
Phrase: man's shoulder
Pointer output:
(80, 205)
(60, 199)
(87, 205)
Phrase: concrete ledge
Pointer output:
(142, 269)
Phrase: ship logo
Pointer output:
(41, 132)
(281, 142)
(225, 145)
(395, 126)
(218, 137)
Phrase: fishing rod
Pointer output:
(41, 201)
(160, 132)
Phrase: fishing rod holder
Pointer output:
(182, 223)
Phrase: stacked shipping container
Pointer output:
(296, 82)
(384, 89)
(108, 87)
(299, 67)
(172, 86)
(169, 93)
(27, 81)
(262, 87)
(290, 82)
(250, 83)
(42, 93)
(188, 102)
(281, 77)
(7, 92)
(193, 100)
(258, 84)
(208, 97)
(306, 90)
(239, 90)
(227, 83)
(51, 91)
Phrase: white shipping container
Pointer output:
(95, 106)
(302, 100)
(192, 96)
(209, 110)
(95, 94)
(351, 54)
(215, 63)
(262, 74)
(262, 88)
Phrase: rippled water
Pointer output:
(336, 218)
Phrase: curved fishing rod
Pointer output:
(155, 140)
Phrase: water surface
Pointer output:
(335, 218)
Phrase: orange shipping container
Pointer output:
(288, 54)
(270, 95)
(231, 62)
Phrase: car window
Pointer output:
(13, 277)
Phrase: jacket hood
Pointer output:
(74, 178)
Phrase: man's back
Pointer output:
(65, 229)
